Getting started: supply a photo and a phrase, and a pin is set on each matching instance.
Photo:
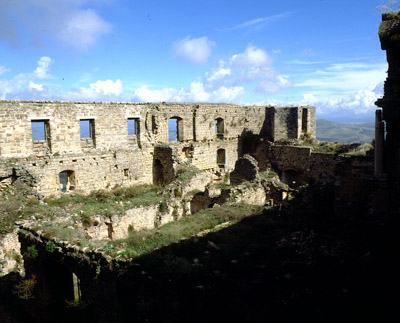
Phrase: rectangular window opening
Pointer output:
(38, 130)
(87, 128)
(133, 126)
(87, 133)
(172, 130)
(41, 135)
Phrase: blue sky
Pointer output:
(324, 53)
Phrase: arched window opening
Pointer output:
(219, 128)
(175, 129)
(221, 158)
(67, 181)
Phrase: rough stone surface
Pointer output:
(112, 156)
(246, 169)
(10, 256)
(389, 34)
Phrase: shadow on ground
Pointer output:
(279, 266)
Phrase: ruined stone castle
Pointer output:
(84, 146)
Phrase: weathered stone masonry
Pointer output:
(109, 155)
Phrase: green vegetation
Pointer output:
(307, 140)
(142, 242)
(186, 172)
(50, 246)
(24, 289)
(342, 148)
(31, 252)
(269, 174)
(17, 202)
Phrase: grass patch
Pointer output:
(342, 148)
(17, 202)
(143, 242)
(186, 172)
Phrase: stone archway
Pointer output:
(219, 128)
(67, 180)
(175, 129)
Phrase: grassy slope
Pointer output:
(340, 132)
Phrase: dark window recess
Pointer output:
(158, 172)
(219, 128)
(153, 124)
(221, 158)
(304, 119)
(133, 126)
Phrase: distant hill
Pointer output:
(344, 132)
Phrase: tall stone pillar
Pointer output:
(389, 35)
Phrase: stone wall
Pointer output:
(389, 34)
(289, 123)
(110, 154)
(298, 164)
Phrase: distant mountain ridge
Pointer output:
(344, 132)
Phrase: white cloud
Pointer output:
(252, 57)
(345, 78)
(99, 91)
(73, 22)
(219, 74)
(196, 92)
(41, 71)
(35, 86)
(274, 84)
(144, 94)
(358, 106)
(258, 23)
(22, 85)
(196, 50)
(225, 83)
(224, 94)
(3, 70)
(309, 99)
(107, 87)
(83, 29)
